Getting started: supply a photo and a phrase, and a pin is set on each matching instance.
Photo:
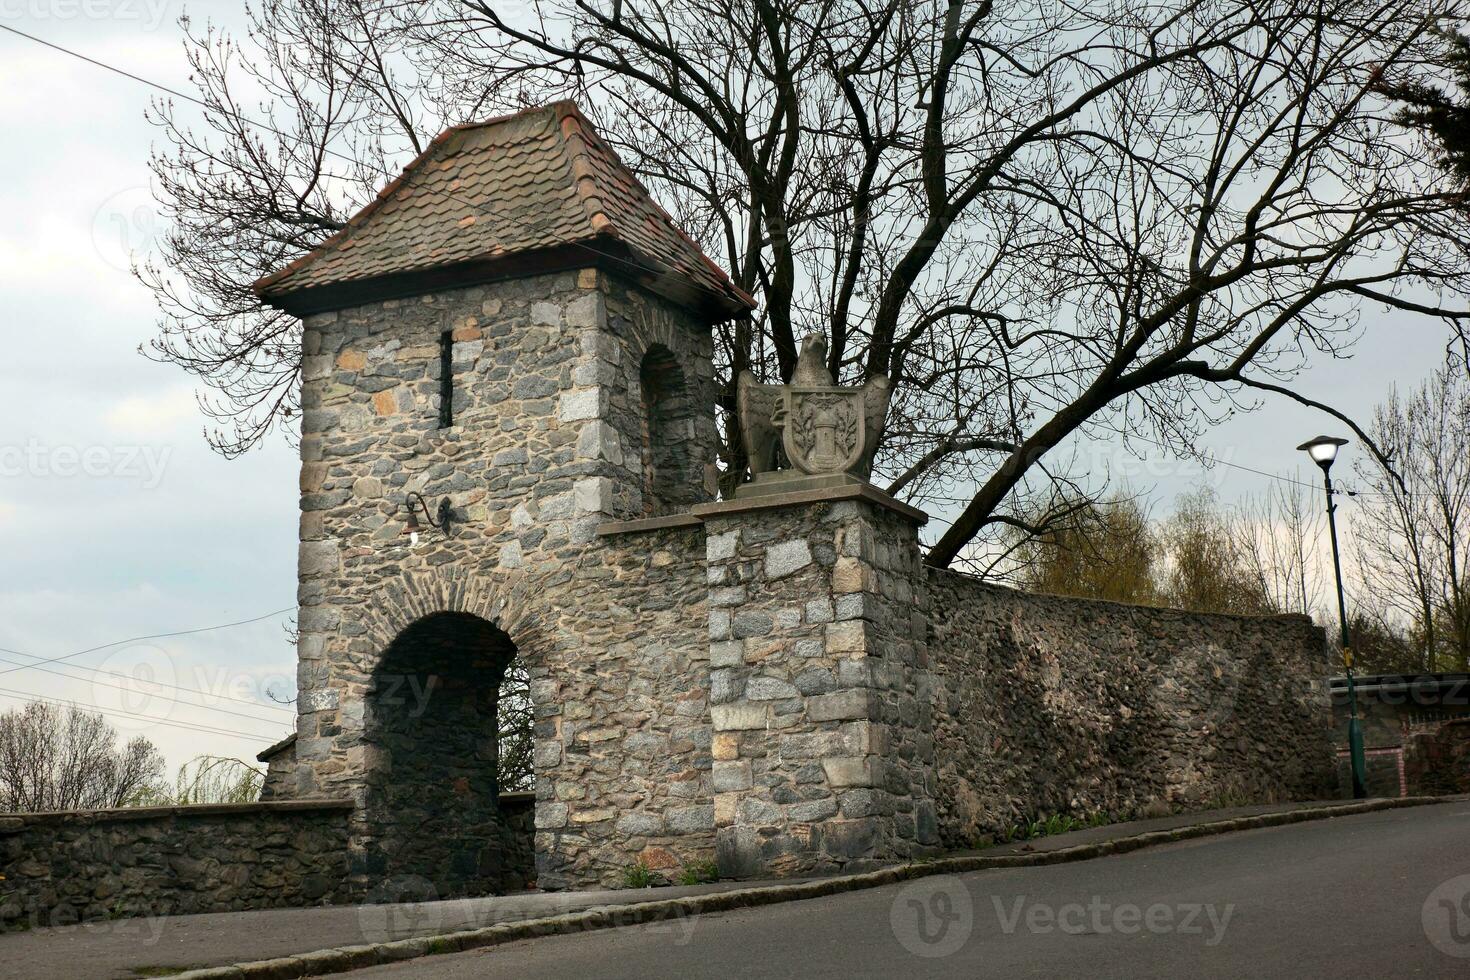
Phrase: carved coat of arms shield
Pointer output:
(824, 428)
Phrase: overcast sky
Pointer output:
(116, 519)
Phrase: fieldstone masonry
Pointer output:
(61, 868)
(1049, 704)
(548, 444)
(773, 680)
(822, 733)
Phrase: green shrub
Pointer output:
(1044, 825)
(699, 873)
(640, 875)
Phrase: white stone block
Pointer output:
(787, 558)
(585, 311)
(599, 440)
(593, 495)
(721, 547)
(737, 717)
(582, 404)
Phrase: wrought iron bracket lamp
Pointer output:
(440, 519)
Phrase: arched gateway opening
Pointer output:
(443, 704)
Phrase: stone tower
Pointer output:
(516, 328)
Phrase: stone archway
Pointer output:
(431, 738)
(667, 434)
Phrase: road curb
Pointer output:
(344, 958)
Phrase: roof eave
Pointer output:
(265, 755)
(608, 254)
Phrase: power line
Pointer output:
(1204, 454)
(129, 690)
(1211, 457)
(138, 639)
(205, 729)
(141, 680)
(480, 209)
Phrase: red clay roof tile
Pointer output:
(539, 180)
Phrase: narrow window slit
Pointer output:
(446, 379)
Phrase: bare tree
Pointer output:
(514, 714)
(1205, 567)
(1411, 529)
(1107, 550)
(1045, 221)
(1279, 537)
(212, 779)
(67, 759)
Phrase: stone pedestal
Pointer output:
(819, 684)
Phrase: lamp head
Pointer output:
(412, 528)
(1323, 449)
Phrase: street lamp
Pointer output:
(1323, 451)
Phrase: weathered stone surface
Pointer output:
(1141, 706)
(784, 684)
(815, 743)
(822, 429)
(578, 399)
(787, 558)
(61, 868)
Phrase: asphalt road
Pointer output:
(1379, 895)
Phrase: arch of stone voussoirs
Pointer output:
(667, 428)
(467, 855)
(507, 603)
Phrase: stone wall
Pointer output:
(550, 440)
(1045, 704)
(822, 729)
(518, 818)
(622, 730)
(68, 867)
(280, 770)
(752, 677)
(1438, 762)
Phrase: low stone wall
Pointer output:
(1437, 763)
(1047, 704)
(77, 866)
(518, 818)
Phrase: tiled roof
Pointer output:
(540, 183)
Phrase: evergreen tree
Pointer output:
(1443, 111)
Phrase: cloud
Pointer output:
(149, 414)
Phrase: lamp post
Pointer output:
(1323, 451)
